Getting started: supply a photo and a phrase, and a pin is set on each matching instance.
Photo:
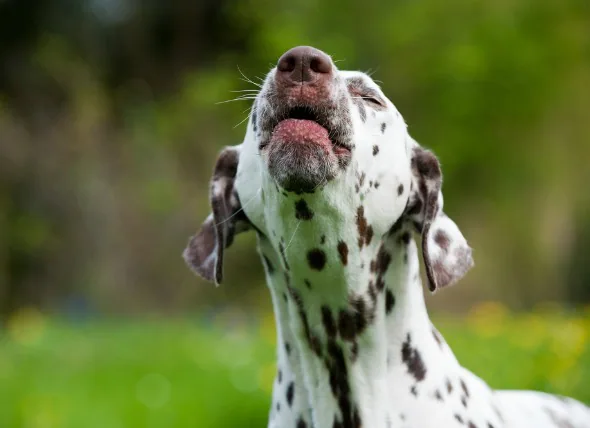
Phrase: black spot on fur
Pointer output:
(377, 184)
(400, 189)
(449, 386)
(328, 321)
(269, 267)
(464, 401)
(280, 376)
(287, 348)
(316, 259)
(343, 252)
(346, 324)
(413, 361)
(323, 240)
(464, 388)
(302, 211)
(364, 230)
(383, 126)
(383, 260)
(471, 425)
(414, 390)
(415, 208)
(290, 392)
(338, 377)
(389, 301)
(438, 395)
(459, 418)
(437, 337)
(375, 150)
(405, 238)
(301, 423)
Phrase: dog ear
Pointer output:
(447, 256)
(204, 252)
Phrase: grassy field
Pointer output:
(184, 373)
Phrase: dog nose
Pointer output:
(304, 64)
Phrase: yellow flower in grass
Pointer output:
(529, 332)
(39, 411)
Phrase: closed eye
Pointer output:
(373, 100)
(366, 94)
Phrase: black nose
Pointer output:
(304, 64)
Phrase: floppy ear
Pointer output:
(204, 252)
(447, 257)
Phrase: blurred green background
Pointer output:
(109, 127)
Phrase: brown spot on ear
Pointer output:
(426, 164)
(375, 150)
(316, 259)
(442, 240)
(343, 252)
(302, 211)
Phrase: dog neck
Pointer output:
(353, 336)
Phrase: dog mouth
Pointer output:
(305, 125)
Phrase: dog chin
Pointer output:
(301, 168)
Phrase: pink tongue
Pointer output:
(300, 131)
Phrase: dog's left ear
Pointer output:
(447, 256)
(205, 250)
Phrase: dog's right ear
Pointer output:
(204, 252)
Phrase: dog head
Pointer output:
(327, 161)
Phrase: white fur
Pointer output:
(380, 382)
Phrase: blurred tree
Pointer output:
(109, 128)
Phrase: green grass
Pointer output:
(179, 373)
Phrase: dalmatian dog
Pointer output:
(336, 190)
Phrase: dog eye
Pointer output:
(372, 100)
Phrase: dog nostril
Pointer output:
(321, 64)
(287, 63)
